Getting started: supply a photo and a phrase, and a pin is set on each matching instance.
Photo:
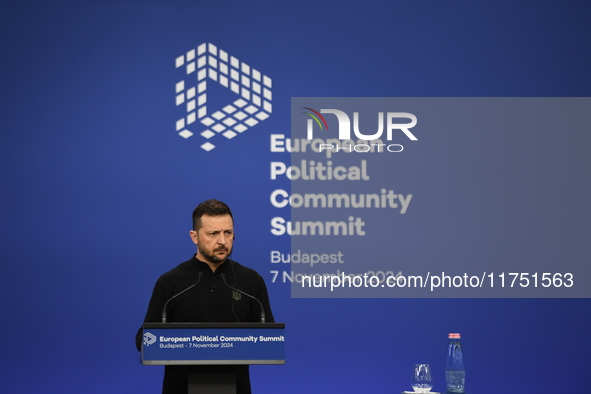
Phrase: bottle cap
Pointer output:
(454, 336)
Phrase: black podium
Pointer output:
(213, 344)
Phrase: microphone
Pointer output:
(223, 276)
(178, 294)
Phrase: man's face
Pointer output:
(214, 239)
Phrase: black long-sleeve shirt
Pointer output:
(210, 301)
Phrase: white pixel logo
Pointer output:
(149, 339)
(252, 106)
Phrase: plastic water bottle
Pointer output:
(455, 374)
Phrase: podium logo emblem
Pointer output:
(149, 339)
(206, 64)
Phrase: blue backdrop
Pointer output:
(98, 187)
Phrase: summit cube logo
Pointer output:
(149, 339)
(209, 64)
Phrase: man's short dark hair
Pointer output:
(210, 208)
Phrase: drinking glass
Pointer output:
(421, 378)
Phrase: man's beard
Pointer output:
(211, 257)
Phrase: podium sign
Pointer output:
(213, 343)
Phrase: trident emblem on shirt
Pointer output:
(236, 295)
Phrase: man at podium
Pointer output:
(200, 290)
